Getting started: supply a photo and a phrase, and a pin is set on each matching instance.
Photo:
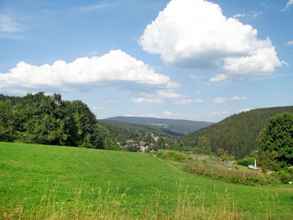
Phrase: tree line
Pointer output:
(50, 120)
(236, 135)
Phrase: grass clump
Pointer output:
(285, 175)
(172, 155)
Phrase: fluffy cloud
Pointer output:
(9, 24)
(113, 66)
(161, 96)
(196, 33)
(221, 100)
(290, 2)
(290, 42)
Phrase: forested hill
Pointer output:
(50, 120)
(171, 126)
(236, 134)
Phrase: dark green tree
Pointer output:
(275, 143)
(204, 144)
(6, 122)
(50, 120)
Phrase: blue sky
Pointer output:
(122, 58)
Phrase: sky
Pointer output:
(188, 59)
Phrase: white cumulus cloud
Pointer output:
(290, 2)
(196, 33)
(113, 66)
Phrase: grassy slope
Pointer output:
(28, 172)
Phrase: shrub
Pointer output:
(246, 161)
(172, 155)
(285, 175)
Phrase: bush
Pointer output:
(285, 175)
(246, 161)
(172, 155)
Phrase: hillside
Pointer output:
(171, 126)
(236, 134)
(47, 179)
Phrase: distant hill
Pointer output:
(169, 126)
(123, 132)
(236, 134)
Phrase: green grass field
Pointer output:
(32, 175)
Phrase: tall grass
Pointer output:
(112, 204)
(230, 175)
(111, 208)
(108, 206)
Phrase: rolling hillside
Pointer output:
(47, 179)
(170, 126)
(236, 134)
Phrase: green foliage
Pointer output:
(237, 134)
(172, 155)
(6, 122)
(285, 175)
(275, 143)
(224, 155)
(50, 120)
(204, 144)
(246, 161)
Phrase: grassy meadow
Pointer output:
(46, 182)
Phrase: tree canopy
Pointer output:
(275, 143)
(50, 120)
(237, 134)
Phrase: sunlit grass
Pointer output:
(44, 182)
(109, 207)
